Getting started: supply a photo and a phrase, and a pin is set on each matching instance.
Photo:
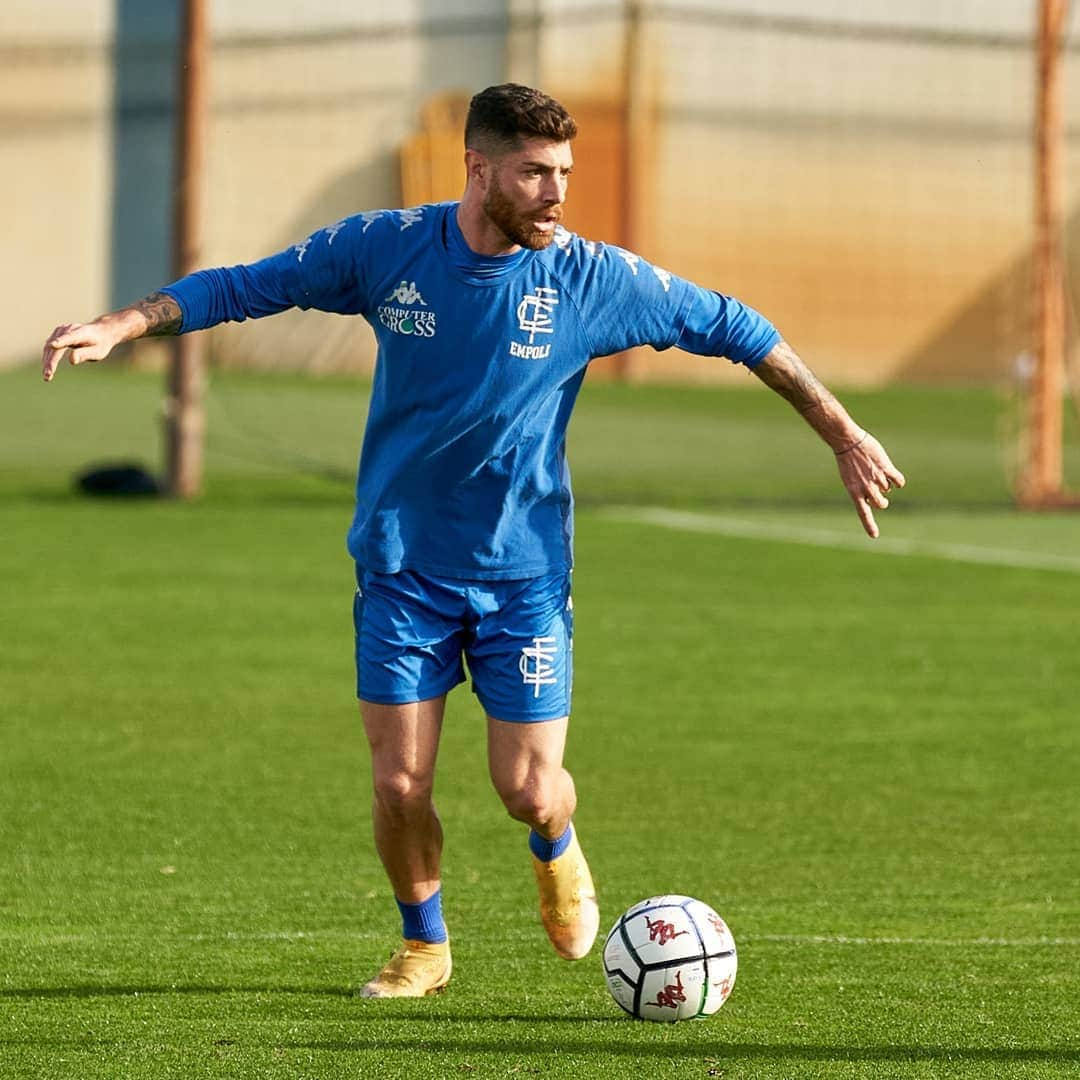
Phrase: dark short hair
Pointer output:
(501, 116)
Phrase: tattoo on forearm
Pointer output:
(162, 314)
(785, 373)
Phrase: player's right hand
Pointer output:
(83, 342)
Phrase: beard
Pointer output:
(516, 225)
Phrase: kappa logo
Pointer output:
(634, 261)
(407, 293)
(718, 924)
(662, 931)
(724, 986)
(402, 316)
(537, 663)
(301, 248)
(534, 317)
(410, 217)
(672, 994)
(662, 276)
(332, 230)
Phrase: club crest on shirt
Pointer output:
(534, 317)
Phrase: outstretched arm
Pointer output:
(317, 273)
(155, 315)
(865, 468)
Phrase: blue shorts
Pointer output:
(517, 637)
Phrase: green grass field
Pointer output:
(867, 758)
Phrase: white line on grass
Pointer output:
(947, 943)
(722, 525)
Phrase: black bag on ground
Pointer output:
(121, 479)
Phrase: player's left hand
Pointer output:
(868, 475)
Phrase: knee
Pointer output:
(534, 801)
(402, 795)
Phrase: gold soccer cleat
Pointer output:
(568, 906)
(418, 968)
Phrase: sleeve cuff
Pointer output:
(168, 290)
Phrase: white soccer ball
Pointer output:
(670, 958)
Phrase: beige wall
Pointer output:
(308, 111)
(871, 194)
(55, 167)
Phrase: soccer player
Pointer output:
(487, 313)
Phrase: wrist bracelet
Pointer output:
(853, 446)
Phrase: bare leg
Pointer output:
(527, 770)
(404, 741)
(526, 767)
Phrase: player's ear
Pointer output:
(477, 168)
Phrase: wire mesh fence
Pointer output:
(861, 174)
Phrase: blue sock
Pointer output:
(547, 850)
(424, 921)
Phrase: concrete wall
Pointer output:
(857, 169)
(859, 187)
(55, 167)
(309, 106)
(861, 172)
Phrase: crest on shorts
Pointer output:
(537, 663)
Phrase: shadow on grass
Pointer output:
(731, 1052)
(623, 1047)
(410, 1013)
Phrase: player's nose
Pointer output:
(554, 191)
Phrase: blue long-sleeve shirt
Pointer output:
(463, 468)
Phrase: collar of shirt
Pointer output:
(471, 265)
